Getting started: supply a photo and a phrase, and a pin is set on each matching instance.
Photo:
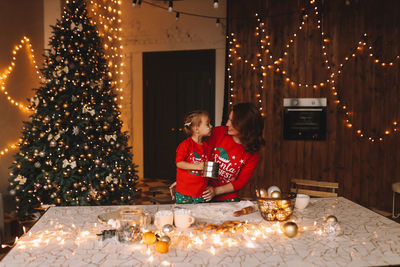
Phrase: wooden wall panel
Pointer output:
(364, 169)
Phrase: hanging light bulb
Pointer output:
(170, 6)
(134, 3)
(177, 15)
(215, 4)
(218, 22)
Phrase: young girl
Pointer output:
(190, 157)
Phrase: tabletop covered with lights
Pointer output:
(68, 236)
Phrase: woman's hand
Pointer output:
(172, 190)
(209, 193)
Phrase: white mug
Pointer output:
(163, 217)
(183, 218)
(302, 201)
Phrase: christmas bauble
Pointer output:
(276, 194)
(290, 229)
(165, 238)
(272, 189)
(331, 218)
(168, 228)
(263, 193)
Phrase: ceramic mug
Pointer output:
(302, 201)
(183, 218)
(163, 217)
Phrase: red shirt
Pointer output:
(191, 182)
(236, 165)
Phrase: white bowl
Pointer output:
(302, 201)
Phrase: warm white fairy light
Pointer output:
(276, 65)
(4, 76)
(108, 19)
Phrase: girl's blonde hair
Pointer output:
(193, 119)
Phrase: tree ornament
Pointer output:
(331, 218)
(331, 226)
(168, 228)
(276, 194)
(290, 229)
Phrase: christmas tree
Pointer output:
(72, 150)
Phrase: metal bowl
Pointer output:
(277, 209)
(211, 169)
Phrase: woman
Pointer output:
(236, 147)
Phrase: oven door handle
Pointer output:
(304, 109)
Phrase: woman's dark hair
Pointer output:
(193, 119)
(248, 122)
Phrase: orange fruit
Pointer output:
(162, 246)
(149, 238)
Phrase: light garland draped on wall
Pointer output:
(269, 62)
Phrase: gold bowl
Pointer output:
(277, 209)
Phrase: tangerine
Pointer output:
(149, 238)
(162, 246)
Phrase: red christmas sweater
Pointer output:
(191, 182)
(236, 165)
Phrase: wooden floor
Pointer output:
(154, 191)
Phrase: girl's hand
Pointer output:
(209, 193)
(172, 190)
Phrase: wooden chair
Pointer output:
(1, 219)
(314, 188)
(396, 190)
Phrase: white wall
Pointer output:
(148, 29)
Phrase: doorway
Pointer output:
(174, 83)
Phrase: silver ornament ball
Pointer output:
(331, 218)
(168, 228)
(165, 238)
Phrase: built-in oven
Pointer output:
(304, 118)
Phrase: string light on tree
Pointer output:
(72, 150)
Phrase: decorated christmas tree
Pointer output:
(72, 150)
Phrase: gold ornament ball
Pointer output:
(263, 193)
(270, 216)
(105, 127)
(331, 218)
(58, 200)
(276, 194)
(280, 215)
(290, 229)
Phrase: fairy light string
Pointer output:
(107, 17)
(261, 66)
(25, 42)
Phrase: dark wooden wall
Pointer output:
(371, 93)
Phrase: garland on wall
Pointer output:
(107, 18)
(271, 63)
(25, 42)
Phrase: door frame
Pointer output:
(134, 60)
